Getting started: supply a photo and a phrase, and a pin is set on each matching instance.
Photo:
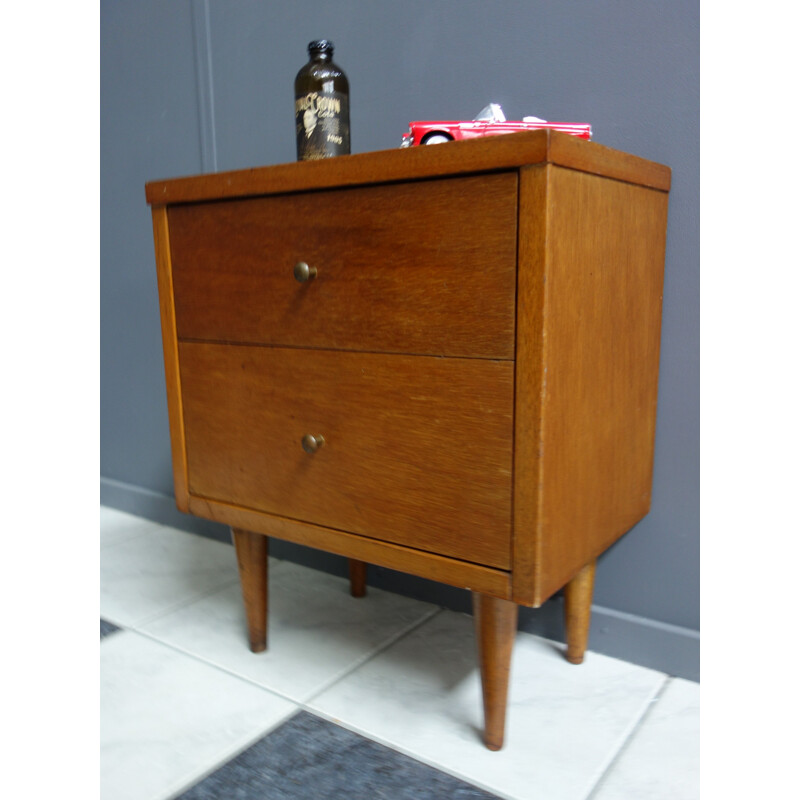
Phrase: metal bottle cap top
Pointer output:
(320, 46)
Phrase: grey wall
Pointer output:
(189, 86)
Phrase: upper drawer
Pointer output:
(426, 267)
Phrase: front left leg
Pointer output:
(252, 557)
(358, 577)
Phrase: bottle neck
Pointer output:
(320, 55)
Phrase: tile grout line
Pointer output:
(408, 630)
(180, 787)
(185, 784)
(179, 605)
(137, 627)
(626, 743)
(301, 704)
(218, 667)
(305, 704)
(124, 540)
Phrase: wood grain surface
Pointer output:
(169, 339)
(451, 571)
(476, 357)
(600, 349)
(530, 380)
(414, 163)
(417, 449)
(411, 268)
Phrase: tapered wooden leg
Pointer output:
(578, 612)
(251, 554)
(358, 577)
(495, 629)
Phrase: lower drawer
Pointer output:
(417, 450)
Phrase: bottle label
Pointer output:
(322, 122)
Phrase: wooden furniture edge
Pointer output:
(462, 574)
(169, 338)
(597, 159)
(552, 575)
(529, 366)
(510, 151)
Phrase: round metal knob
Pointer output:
(303, 273)
(312, 443)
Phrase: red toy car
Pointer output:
(490, 122)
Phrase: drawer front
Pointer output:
(426, 267)
(417, 450)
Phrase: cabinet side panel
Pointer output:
(602, 321)
(170, 341)
(528, 381)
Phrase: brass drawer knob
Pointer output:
(303, 273)
(312, 443)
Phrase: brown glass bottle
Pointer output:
(322, 106)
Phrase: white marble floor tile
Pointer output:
(565, 723)
(662, 759)
(317, 631)
(159, 570)
(168, 719)
(117, 526)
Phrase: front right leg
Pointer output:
(495, 631)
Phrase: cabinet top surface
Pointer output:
(510, 151)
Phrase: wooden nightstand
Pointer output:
(442, 360)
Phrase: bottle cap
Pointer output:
(320, 46)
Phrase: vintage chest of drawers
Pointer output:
(441, 360)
